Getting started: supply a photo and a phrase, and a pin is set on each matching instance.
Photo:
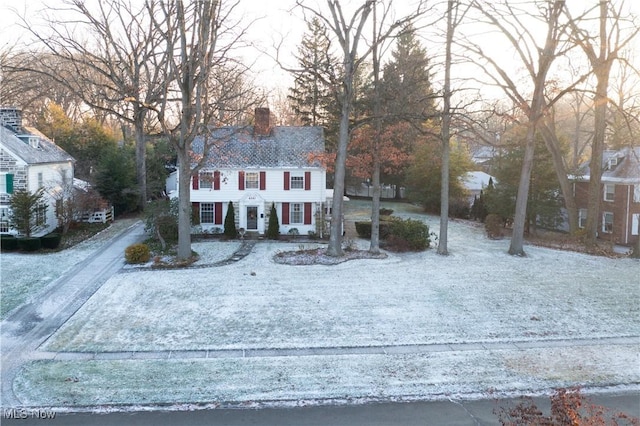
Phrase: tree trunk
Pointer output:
(141, 156)
(520, 217)
(445, 136)
(184, 204)
(552, 144)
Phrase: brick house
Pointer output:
(619, 218)
(29, 161)
(253, 167)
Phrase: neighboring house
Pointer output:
(255, 166)
(619, 217)
(475, 183)
(29, 160)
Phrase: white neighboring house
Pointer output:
(29, 160)
(475, 183)
(255, 166)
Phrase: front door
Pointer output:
(252, 218)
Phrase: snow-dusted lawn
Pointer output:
(477, 294)
(23, 274)
(301, 380)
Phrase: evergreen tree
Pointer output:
(116, 179)
(28, 211)
(406, 82)
(312, 96)
(273, 231)
(230, 230)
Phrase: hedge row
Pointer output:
(11, 243)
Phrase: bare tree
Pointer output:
(349, 32)
(109, 55)
(602, 52)
(192, 33)
(537, 61)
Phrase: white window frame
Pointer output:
(3, 183)
(296, 181)
(635, 223)
(207, 210)
(612, 193)
(252, 180)
(296, 213)
(636, 193)
(606, 229)
(4, 220)
(206, 180)
(40, 180)
(582, 218)
(41, 215)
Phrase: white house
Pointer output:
(29, 160)
(475, 183)
(257, 166)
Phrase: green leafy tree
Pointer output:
(273, 231)
(230, 230)
(28, 211)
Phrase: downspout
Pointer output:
(627, 216)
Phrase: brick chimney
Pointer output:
(261, 126)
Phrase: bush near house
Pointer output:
(493, 225)
(29, 244)
(399, 234)
(51, 241)
(8, 243)
(230, 230)
(273, 231)
(137, 253)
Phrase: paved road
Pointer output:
(440, 413)
(26, 328)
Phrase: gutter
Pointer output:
(627, 216)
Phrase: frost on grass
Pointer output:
(319, 256)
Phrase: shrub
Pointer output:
(8, 242)
(167, 226)
(386, 212)
(29, 244)
(459, 208)
(273, 230)
(51, 241)
(364, 228)
(137, 253)
(294, 231)
(408, 235)
(230, 230)
(493, 225)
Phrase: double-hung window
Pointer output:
(206, 180)
(582, 218)
(607, 222)
(4, 220)
(609, 192)
(296, 215)
(252, 180)
(297, 182)
(207, 212)
(6, 183)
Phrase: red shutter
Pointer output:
(307, 181)
(241, 181)
(285, 213)
(216, 180)
(195, 181)
(195, 213)
(307, 213)
(287, 180)
(218, 213)
(263, 181)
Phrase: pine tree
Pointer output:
(230, 230)
(312, 96)
(273, 231)
(27, 213)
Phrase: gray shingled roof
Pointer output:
(627, 170)
(47, 151)
(287, 146)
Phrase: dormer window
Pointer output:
(613, 162)
(34, 142)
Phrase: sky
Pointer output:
(274, 22)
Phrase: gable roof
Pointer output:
(625, 171)
(284, 146)
(46, 152)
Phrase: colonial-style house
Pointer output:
(29, 160)
(257, 166)
(619, 217)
